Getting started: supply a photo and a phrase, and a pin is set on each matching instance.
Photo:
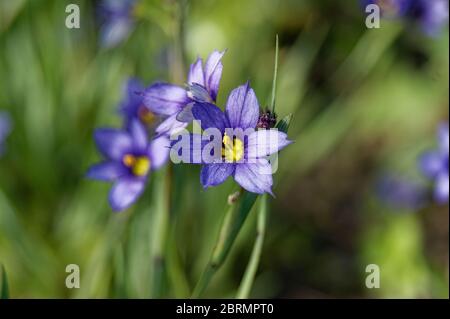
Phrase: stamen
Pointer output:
(145, 115)
(139, 165)
(232, 149)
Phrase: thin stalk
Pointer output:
(4, 290)
(233, 220)
(275, 75)
(160, 231)
(250, 272)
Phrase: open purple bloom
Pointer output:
(432, 15)
(5, 129)
(174, 102)
(245, 158)
(132, 107)
(434, 165)
(129, 158)
(116, 21)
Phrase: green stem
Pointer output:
(275, 75)
(235, 217)
(160, 231)
(252, 267)
(4, 290)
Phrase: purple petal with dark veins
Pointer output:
(213, 73)
(215, 174)
(262, 143)
(210, 116)
(165, 99)
(242, 107)
(255, 177)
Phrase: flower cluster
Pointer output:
(130, 153)
(430, 15)
(244, 137)
(238, 149)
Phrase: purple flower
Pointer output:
(243, 157)
(174, 102)
(116, 20)
(132, 107)
(129, 158)
(390, 8)
(432, 15)
(5, 129)
(400, 193)
(434, 165)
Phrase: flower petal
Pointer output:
(196, 73)
(185, 115)
(170, 125)
(215, 174)
(431, 163)
(242, 107)
(443, 138)
(255, 178)
(125, 192)
(132, 93)
(139, 135)
(263, 143)
(113, 143)
(441, 189)
(165, 99)
(210, 116)
(106, 171)
(115, 31)
(159, 151)
(213, 73)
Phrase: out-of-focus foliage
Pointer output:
(363, 102)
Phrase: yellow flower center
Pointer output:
(139, 165)
(146, 116)
(388, 7)
(232, 149)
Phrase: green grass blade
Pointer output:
(4, 290)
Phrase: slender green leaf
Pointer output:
(4, 293)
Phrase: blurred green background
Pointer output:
(364, 102)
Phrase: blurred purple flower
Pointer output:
(175, 102)
(132, 107)
(400, 193)
(241, 112)
(129, 158)
(432, 15)
(434, 165)
(5, 129)
(116, 21)
(390, 8)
